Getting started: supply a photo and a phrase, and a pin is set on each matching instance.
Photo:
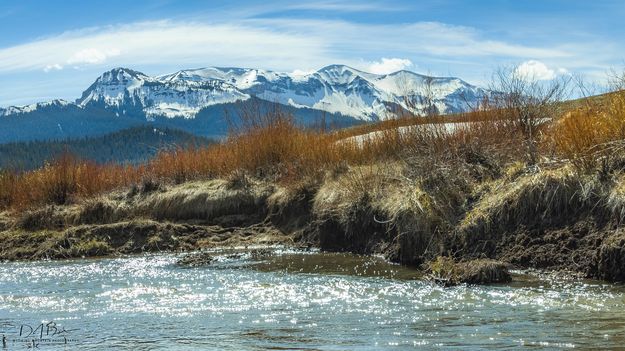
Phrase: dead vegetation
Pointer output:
(447, 272)
(511, 181)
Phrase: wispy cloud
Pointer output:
(432, 38)
(299, 44)
(92, 56)
(286, 44)
(162, 42)
(344, 6)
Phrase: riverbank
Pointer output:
(550, 218)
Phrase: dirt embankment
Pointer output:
(550, 219)
(553, 219)
(179, 218)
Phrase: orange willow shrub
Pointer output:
(7, 188)
(589, 136)
(279, 150)
(62, 180)
(491, 130)
(53, 183)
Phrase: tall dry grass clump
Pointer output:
(268, 145)
(7, 188)
(593, 137)
(62, 181)
(528, 103)
(271, 147)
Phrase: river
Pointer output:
(292, 300)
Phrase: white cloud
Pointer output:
(388, 65)
(170, 43)
(302, 72)
(92, 56)
(53, 67)
(283, 44)
(536, 70)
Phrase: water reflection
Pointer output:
(300, 300)
(335, 263)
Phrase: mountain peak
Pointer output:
(121, 75)
(341, 68)
(334, 88)
(128, 71)
(112, 86)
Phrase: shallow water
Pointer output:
(292, 300)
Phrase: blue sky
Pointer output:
(56, 49)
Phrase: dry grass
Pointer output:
(592, 136)
(203, 200)
(278, 151)
(448, 272)
(546, 197)
(61, 182)
(271, 147)
(616, 199)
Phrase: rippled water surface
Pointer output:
(293, 300)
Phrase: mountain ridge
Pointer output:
(196, 100)
(346, 90)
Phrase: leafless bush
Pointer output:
(528, 102)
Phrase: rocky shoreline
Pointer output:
(522, 220)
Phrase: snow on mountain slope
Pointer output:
(339, 88)
(158, 97)
(11, 110)
(335, 89)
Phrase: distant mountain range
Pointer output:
(199, 101)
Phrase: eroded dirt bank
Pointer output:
(549, 219)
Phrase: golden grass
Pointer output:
(616, 199)
(544, 196)
(272, 147)
(62, 181)
(203, 200)
(590, 136)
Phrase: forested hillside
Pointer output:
(133, 145)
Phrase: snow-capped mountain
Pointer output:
(195, 100)
(11, 110)
(122, 88)
(334, 89)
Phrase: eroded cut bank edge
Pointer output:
(398, 219)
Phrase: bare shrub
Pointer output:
(592, 136)
(528, 102)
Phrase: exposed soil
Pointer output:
(131, 237)
(579, 240)
(585, 246)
